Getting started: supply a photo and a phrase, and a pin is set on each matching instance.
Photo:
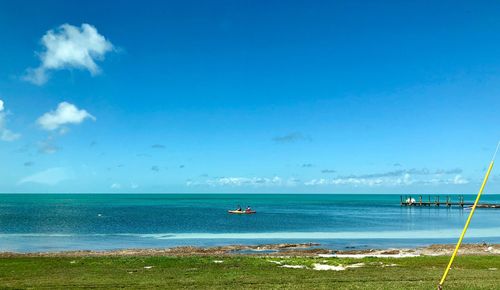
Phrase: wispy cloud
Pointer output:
(353, 181)
(115, 186)
(158, 146)
(247, 181)
(65, 114)
(6, 134)
(399, 178)
(328, 171)
(291, 138)
(28, 163)
(396, 178)
(412, 171)
(47, 146)
(69, 47)
(9, 136)
(51, 176)
(449, 171)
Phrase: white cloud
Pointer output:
(6, 134)
(402, 180)
(116, 186)
(344, 181)
(65, 113)
(51, 176)
(246, 181)
(458, 179)
(67, 47)
(455, 180)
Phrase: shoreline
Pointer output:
(276, 266)
(284, 249)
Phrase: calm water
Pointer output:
(51, 222)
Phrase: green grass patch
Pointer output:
(469, 272)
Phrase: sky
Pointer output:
(248, 96)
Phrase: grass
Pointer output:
(470, 272)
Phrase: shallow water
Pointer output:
(53, 222)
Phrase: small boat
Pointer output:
(241, 211)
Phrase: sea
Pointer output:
(61, 222)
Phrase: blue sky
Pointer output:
(249, 96)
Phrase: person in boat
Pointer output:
(249, 209)
(239, 208)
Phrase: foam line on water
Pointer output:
(451, 233)
(428, 234)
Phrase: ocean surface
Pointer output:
(55, 222)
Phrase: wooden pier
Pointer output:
(408, 200)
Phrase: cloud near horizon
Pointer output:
(408, 177)
(51, 176)
(115, 186)
(404, 180)
(65, 114)
(246, 181)
(396, 178)
(69, 47)
(411, 171)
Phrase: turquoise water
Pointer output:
(53, 222)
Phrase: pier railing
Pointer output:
(436, 200)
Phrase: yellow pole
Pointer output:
(485, 180)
